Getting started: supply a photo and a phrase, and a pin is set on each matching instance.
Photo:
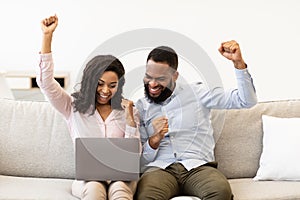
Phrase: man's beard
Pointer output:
(165, 93)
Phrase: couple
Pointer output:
(172, 121)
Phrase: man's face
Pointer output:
(159, 81)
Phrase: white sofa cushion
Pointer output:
(281, 147)
(35, 188)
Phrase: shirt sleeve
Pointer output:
(56, 95)
(244, 96)
(133, 132)
(148, 153)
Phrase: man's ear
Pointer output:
(175, 75)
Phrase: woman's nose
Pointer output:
(104, 89)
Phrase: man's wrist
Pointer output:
(154, 141)
(240, 64)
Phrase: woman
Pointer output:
(96, 110)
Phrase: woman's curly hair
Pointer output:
(85, 99)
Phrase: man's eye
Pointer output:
(161, 79)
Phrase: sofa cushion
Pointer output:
(248, 189)
(35, 188)
(239, 142)
(34, 141)
(281, 147)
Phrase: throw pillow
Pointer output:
(281, 147)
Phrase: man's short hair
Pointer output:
(164, 54)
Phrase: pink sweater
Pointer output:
(81, 125)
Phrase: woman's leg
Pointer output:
(120, 190)
(91, 190)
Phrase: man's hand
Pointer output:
(49, 24)
(231, 50)
(160, 127)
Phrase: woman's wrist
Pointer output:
(130, 121)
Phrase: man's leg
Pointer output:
(207, 183)
(157, 184)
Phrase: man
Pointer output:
(176, 132)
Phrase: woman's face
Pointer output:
(107, 87)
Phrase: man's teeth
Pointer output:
(154, 89)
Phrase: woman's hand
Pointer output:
(127, 105)
(49, 24)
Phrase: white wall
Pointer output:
(268, 32)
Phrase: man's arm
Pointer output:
(151, 141)
(242, 97)
(160, 127)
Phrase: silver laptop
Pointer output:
(107, 159)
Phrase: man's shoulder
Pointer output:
(191, 87)
(142, 103)
(142, 100)
(192, 84)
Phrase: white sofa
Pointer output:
(37, 158)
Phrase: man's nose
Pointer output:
(153, 82)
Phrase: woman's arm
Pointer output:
(45, 78)
(128, 107)
(48, 26)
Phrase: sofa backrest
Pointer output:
(34, 141)
(239, 138)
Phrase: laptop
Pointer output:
(102, 159)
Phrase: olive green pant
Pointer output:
(205, 182)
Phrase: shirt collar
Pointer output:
(175, 92)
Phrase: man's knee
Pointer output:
(151, 187)
(222, 192)
(208, 183)
(152, 194)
